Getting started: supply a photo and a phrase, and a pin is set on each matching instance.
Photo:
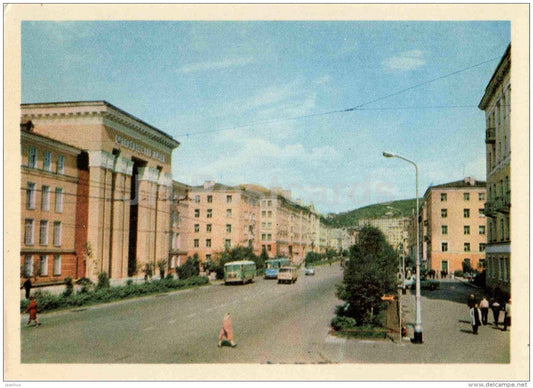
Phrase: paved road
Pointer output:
(272, 324)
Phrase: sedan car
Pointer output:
(310, 271)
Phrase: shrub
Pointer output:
(69, 287)
(86, 284)
(343, 323)
(190, 268)
(103, 281)
(129, 282)
(458, 273)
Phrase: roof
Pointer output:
(240, 262)
(459, 185)
(502, 67)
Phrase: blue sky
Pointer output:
(224, 90)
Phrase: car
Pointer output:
(425, 284)
(310, 271)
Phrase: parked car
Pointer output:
(309, 271)
(287, 275)
(425, 284)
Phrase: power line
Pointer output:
(346, 110)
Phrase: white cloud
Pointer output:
(214, 65)
(406, 61)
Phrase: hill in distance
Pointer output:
(402, 208)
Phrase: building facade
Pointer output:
(394, 228)
(453, 228)
(179, 211)
(127, 164)
(496, 103)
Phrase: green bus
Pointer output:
(242, 271)
(272, 266)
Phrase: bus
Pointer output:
(242, 271)
(272, 267)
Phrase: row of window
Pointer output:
(466, 247)
(499, 229)
(466, 196)
(229, 199)
(466, 212)
(498, 268)
(227, 243)
(29, 232)
(31, 198)
(42, 270)
(466, 229)
(47, 160)
(210, 213)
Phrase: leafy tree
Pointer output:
(69, 287)
(235, 254)
(190, 268)
(162, 265)
(370, 273)
(312, 257)
(467, 267)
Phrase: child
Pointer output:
(226, 332)
(32, 309)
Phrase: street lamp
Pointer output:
(418, 322)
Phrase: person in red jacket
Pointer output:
(32, 309)
(226, 332)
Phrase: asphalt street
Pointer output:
(273, 323)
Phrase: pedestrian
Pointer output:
(32, 309)
(27, 287)
(484, 306)
(226, 332)
(475, 316)
(507, 319)
(495, 306)
(471, 301)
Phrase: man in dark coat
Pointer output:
(27, 287)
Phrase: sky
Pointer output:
(269, 102)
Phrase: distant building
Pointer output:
(394, 228)
(453, 228)
(496, 103)
(179, 211)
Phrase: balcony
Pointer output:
(490, 136)
(502, 205)
(490, 209)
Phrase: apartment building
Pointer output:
(53, 220)
(394, 228)
(496, 103)
(126, 164)
(220, 217)
(179, 210)
(453, 228)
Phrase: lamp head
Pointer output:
(388, 155)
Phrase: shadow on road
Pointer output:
(453, 291)
(466, 331)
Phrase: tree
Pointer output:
(370, 273)
(190, 268)
(235, 254)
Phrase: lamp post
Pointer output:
(418, 322)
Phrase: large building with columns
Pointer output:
(127, 167)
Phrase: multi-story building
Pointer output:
(496, 103)
(179, 209)
(453, 228)
(220, 217)
(393, 227)
(126, 164)
(53, 209)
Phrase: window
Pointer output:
(481, 196)
(228, 228)
(59, 200)
(263, 236)
(467, 247)
(263, 225)
(228, 199)
(269, 247)
(228, 212)
(466, 229)
(196, 199)
(30, 195)
(444, 229)
(269, 214)
(263, 213)
(196, 243)
(28, 265)
(466, 196)
(269, 237)
(227, 243)
(506, 269)
(47, 161)
(208, 243)
(45, 198)
(444, 247)
(208, 228)
(482, 247)
(196, 228)
(444, 213)
(57, 233)
(269, 203)
(43, 233)
(209, 199)
(443, 197)
(43, 265)
(28, 231)
(57, 265)
(32, 157)
(196, 213)
(481, 212)
(176, 241)
(60, 164)
(208, 258)
(209, 213)
(466, 213)
(481, 229)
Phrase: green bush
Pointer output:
(103, 281)
(343, 323)
(458, 273)
(69, 287)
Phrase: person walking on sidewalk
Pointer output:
(484, 306)
(475, 316)
(507, 319)
(226, 332)
(32, 309)
(495, 306)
